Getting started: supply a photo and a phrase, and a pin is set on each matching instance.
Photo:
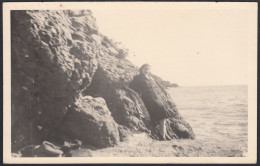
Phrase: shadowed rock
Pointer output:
(110, 82)
(90, 121)
(58, 56)
(46, 77)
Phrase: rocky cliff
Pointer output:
(71, 82)
(166, 84)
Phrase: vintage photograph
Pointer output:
(131, 80)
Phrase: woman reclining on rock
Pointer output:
(150, 90)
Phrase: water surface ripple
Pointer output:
(216, 113)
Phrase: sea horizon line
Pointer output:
(210, 85)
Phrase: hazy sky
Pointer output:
(190, 45)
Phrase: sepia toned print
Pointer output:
(77, 92)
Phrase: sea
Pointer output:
(217, 114)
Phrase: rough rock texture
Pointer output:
(110, 82)
(52, 62)
(59, 60)
(90, 121)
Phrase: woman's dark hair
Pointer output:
(144, 65)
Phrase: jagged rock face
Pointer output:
(58, 56)
(52, 62)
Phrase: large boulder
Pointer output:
(90, 121)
